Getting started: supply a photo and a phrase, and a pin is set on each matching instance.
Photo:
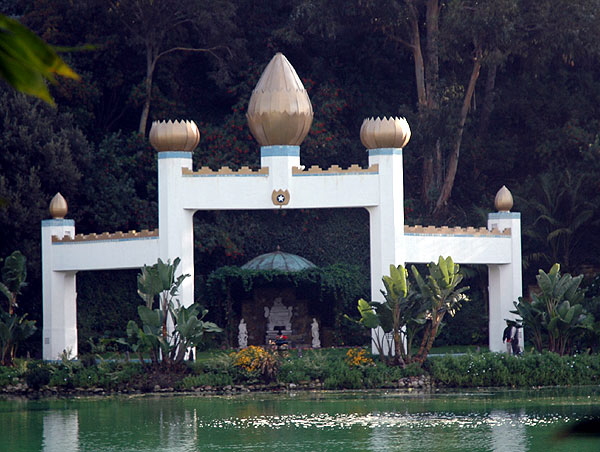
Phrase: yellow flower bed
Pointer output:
(250, 358)
(357, 357)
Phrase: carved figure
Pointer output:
(279, 316)
(314, 328)
(243, 334)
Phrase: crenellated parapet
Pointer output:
(456, 231)
(119, 235)
(334, 170)
(225, 171)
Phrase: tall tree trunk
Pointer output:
(454, 156)
(417, 51)
(432, 73)
(150, 65)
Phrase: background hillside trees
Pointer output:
(496, 93)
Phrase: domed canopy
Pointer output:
(279, 260)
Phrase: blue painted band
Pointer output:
(416, 234)
(280, 151)
(58, 222)
(226, 175)
(175, 155)
(347, 173)
(504, 216)
(385, 151)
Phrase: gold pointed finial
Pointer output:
(279, 111)
(504, 200)
(384, 133)
(174, 135)
(58, 206)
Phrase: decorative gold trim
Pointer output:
(119, 235)
(445, 230)
(225, 171)
(280, 197)
(335, 169)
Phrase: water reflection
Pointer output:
(515, 422)
(61, 431)
(508, 431)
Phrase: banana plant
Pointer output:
(555, 314)
(14, 274)
(397, 320)
(158, 281)
(441, 293)
(532, 318)
(187, 327)
(14, 328)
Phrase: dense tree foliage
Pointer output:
(496, 92)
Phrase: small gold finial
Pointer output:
(174, 135)
(58, 206)
(279, 111)
(384, 133)
(504, 200)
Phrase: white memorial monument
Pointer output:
(279, 117)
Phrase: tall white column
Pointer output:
(505, 280)
(175, 223)
(387, 218)
(59, 296)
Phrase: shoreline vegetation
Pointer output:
(256, 369)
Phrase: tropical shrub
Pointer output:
(164, 343)
(14, 328)
(406, 313)
(555, 316)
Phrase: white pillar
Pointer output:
(505, 280)
(59, 295)
(175, 222)
(279, 160)
(386, 219)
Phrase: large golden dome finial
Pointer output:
(504, 200)
(279, 111)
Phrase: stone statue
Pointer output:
(243, 334)
(314, 328)
(279, 316)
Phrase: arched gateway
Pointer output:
(279, 117)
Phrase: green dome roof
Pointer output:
(279, 260)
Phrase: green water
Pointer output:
(375, 421)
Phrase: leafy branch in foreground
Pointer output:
(27, 62)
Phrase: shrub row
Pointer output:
(330, 369)
(500, 370)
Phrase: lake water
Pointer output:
(511, 421)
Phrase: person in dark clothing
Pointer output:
(510, 337)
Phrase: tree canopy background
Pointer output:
(497, 92)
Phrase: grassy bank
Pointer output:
(328, 369)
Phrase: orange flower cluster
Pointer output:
(357, 357)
